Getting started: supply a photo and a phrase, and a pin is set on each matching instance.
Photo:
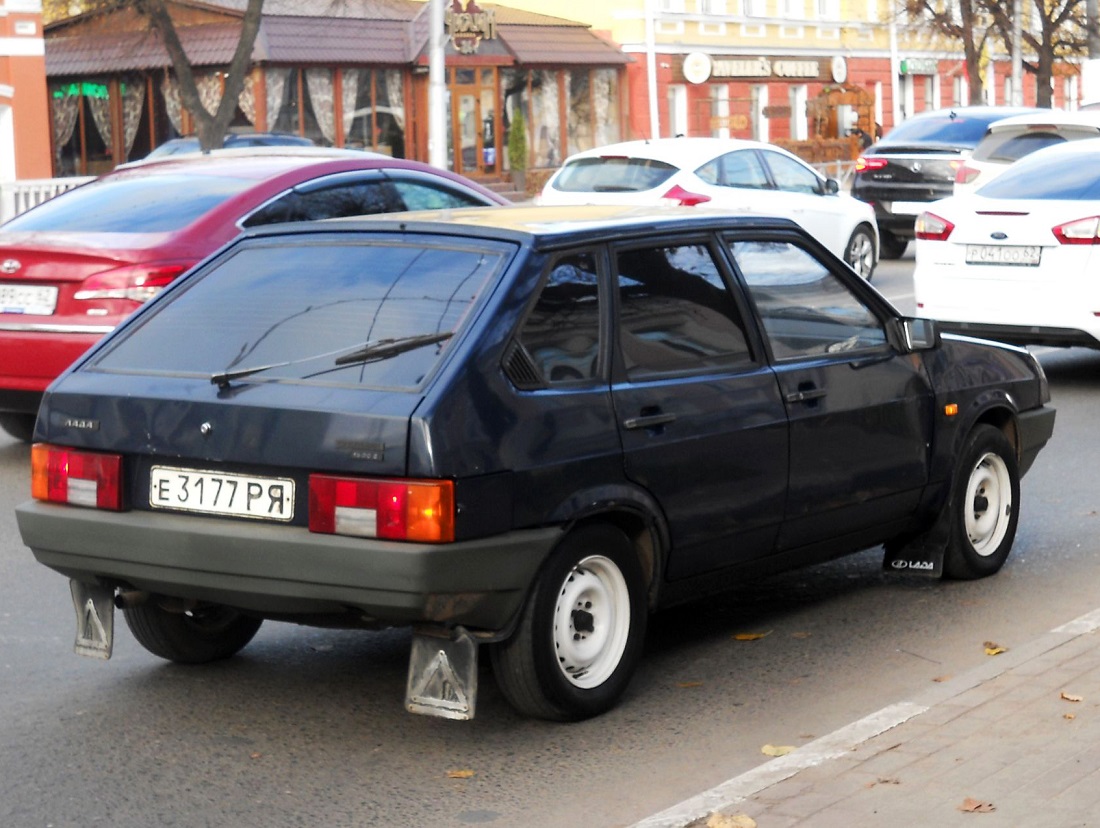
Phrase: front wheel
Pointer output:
(860, 253)
(581, 633)
(985, 506)
(206, 633)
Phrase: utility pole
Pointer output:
(437, 88)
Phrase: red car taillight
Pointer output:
(78, 478)
(966, 175)
(931, 227)
(136, 283)
(412, 510)
(686, 198)
(866, 164)
(1081, 231)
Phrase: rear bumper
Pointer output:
(286, 571)
(30, 359)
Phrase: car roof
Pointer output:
(681, 152)
(543, 225)
(1052, 117)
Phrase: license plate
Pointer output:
(910, 208)
(218, 493)
(1003, 254)
(28, 299)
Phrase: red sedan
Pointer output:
(74, 267)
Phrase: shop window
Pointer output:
(374, 110)
(545, 119)
(579, 122)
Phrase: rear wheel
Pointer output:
(860, 252)
(581, 633)
(984, 506)
(206, 633)
(890, 246)
(19, 426)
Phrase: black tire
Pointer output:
(985, 506)
(19, 426)
(207, 633)
(890, 246)
(574, 652)
(859, 253)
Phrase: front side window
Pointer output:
(376, 313)
(805, 308)
(562, 333)
(792, 176)
(676, 314)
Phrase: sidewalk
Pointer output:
(1012, 743)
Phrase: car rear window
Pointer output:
(613, 174)
(1009, 147)
(379, 313)
(1058, 177)
(132, 204)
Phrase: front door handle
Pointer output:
(648, 421)
(806, 395)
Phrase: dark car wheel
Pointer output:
(208, 633)
(984, 506)
(890, 246)
(860, 252)
(581, 633)
(19, 426)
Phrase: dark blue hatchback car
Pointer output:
(519, 427)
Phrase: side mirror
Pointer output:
(918, 334)
(832, 186)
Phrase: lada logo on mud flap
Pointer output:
(918, 565)
(9, 266)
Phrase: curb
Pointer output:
(841, 742)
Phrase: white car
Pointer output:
(1008, 140)
(1018, 260)
(725, 174)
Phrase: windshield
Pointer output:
(616, 174)
(277, 311)
(132, 204)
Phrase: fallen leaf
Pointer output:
(255, 756)
(460, 774)
(976, 806)
(941, 679)
(751, 636)
(689, 684)
(1071, 697)
(992, 649)
(1070, 716)
(776, 750)
(738, 821)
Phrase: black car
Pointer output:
(524, 427)
(916, 163)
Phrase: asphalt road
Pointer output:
(306, 727)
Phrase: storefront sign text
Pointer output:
(759, 67)
(466, 25)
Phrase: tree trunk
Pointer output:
(210, 127)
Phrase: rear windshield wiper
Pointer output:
(374, 351)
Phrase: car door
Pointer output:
(860, 413)
(702, 423)
(799, 186)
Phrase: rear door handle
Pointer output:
(648, 421)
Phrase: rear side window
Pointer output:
(676, 315)
(343, 200)
(735, 169)
(132, 204)
(376, 313)
(417, 195)
(613, 175)
(1059, 177)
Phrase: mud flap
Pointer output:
(917, 557)
(442, 674)
(95, 619)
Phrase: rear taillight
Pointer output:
(78, 478)
(867, 164)
(931, 227)
(412, 510)
(685, 198)
(966, 175)
(1081, 231)
(136, 283)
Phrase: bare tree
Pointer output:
(961, 21)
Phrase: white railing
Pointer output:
(842, 171)
(19, 196)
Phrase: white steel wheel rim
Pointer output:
(591, 622)
(988, 505)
